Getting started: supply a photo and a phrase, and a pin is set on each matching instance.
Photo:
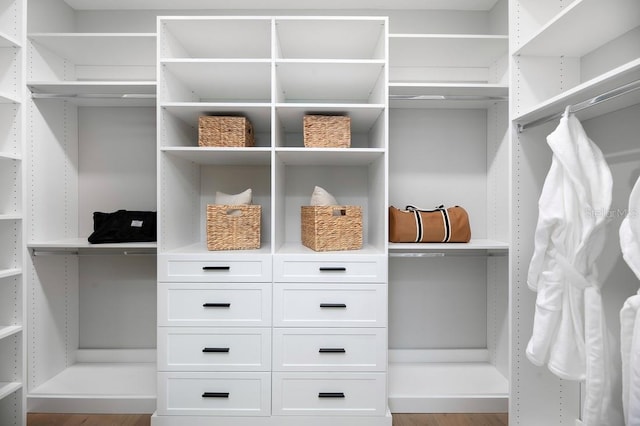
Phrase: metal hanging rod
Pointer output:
(607, 96)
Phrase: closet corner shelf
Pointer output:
(11, 272)
(611, 80)
(572, 32)
(9, 330)
(7, 388)
(75, 246)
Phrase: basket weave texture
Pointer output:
(223, 131)
(327, 131)
(233, 227)
(326, 228)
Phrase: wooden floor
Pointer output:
(144, 420)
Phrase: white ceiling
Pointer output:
(283, 4)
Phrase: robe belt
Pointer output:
(574, 276)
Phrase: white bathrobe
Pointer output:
(569, 331)
(630, 313)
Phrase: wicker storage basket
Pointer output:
(225, 131)
(233, 227)
(327, 228)
(327, 131)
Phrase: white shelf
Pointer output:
(7, 156)
(333, 81)
(609, 81)
(97, 93)
(7, 388)
(222, 156)
(582, 27)
(9, 330)
(98, 387)
(474, 244)
(446, 50)
(446, 95)
(447, 387)
(329, 156)
(363, 116)
(77, 245)
(345, 38)
(5, 273)
(298, 248)
(8, 41)
(6, 98)
(101, 48)
(220, 80)
(201, 248)
(258, 113)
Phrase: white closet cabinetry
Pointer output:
(568, 55)
(12, 324)
(273, 70)
(91, 147)
(448, 144)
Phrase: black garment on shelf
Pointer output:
(123, 226)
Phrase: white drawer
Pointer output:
(214, 267)
(214, 349)
(330, 394)
(330, 305)
(214, 394)
(214, 304)
(334, 268)
(309, 349)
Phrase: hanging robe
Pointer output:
(630, 313)
(569, 331)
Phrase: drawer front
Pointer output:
(214, 349)
(214, 394)
(357, 394)
(214, 268)
(308, 349)
(309, 268)
(214, 304)
(330, 305)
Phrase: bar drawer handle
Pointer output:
(331, 395)
(333, 269)
(215, 395)
(333, 305)
(216, 268)
(216, 305)
(332, 350)
(215, 350)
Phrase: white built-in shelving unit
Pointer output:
(568, 54)
(12, 313)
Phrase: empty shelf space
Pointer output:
(98, 387)
(447, 387)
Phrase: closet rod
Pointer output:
(603, 97)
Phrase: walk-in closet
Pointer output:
(449, 103)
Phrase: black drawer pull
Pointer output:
(215, 395)
(215, 350)
(216, 305)
(331, 395)
(332, 350)
(333, 305)
(333, 269)
(216, 268)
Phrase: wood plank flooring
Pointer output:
(34, 419)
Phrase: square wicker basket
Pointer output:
(326, 228)
(233, 227)
(223, 131)
(327, 131)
